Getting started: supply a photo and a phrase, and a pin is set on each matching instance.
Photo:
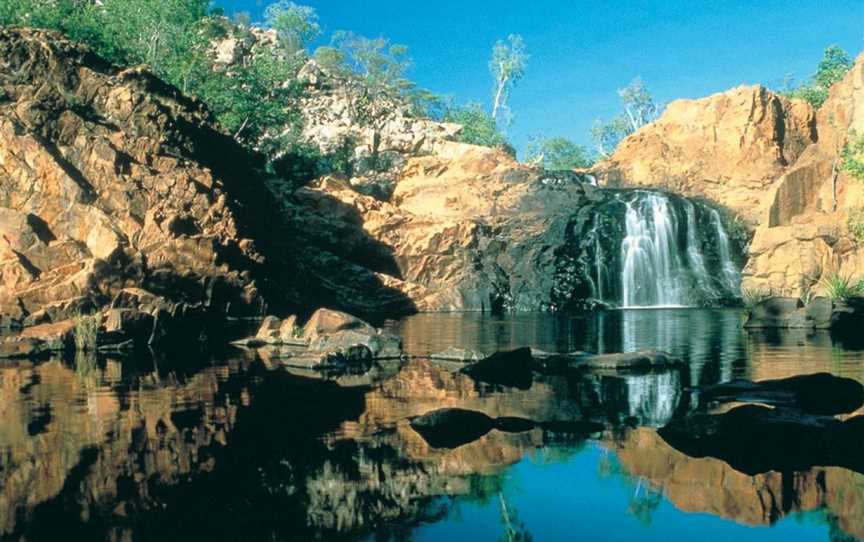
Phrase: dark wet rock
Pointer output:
(821, 393)
(452, 427)
(776, 312)
(848, 317)
(121, 326)
(513, 369)
(755, 439)
(458, 354)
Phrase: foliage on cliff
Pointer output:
(833, 66)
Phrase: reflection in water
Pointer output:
(237, 447)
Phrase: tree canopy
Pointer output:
(558, 153)
(832, 68)
(639, 109)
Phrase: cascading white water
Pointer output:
(731, 275)
(651, 270)
(673, 252)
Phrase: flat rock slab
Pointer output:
(641, 361)
(458, 354)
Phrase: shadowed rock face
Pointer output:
(111, 179)
(466, 228)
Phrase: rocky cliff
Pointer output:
(111, 180)
(774, 162)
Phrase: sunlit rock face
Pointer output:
(466, 228)
(729, 147)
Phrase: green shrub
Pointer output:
(852, 157)
(478, 126)
(832, 68)
(855, 223)
(842, 287)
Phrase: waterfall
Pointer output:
(651, 249)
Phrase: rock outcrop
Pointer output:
(111, 179)
(729, 148)
(467, 228)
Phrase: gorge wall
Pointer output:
(771, 161)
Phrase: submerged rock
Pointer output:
(641, 361)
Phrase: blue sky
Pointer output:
(582, 51)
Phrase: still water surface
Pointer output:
(236, 446)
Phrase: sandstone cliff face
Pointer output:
(467, 228)
(110, 180)
(803, 234)
(774, 162)
(728, 147)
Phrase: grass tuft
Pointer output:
(86, 332)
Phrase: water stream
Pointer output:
(652, 249)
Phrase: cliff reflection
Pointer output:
(239, 447)
(708, 485)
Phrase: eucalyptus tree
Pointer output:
(507, 67)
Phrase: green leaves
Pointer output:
(852, 157)
(295, 25)
(558, 154)
(478, 127)
(507, 66)
(833, 67)
(639, 109)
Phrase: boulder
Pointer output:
(269, 331)
(777, 312)
(327, 322)
(55, 337)
(380, 344)
(22, 348)
(513, 369)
